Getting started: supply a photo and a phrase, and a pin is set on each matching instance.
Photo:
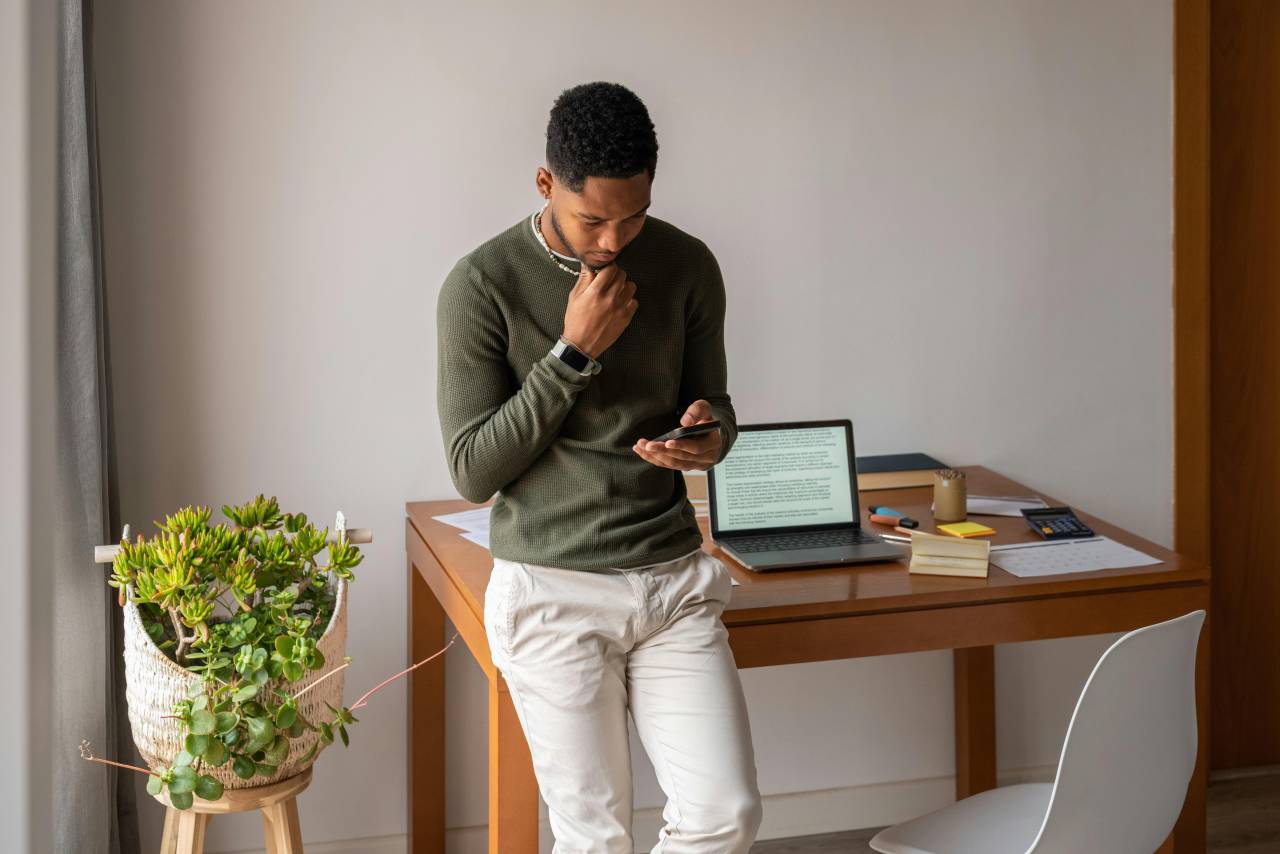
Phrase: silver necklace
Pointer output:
(537, 230)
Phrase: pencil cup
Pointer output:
(949, 496)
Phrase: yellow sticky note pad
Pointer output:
(966, 529)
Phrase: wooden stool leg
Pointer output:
(282, 828)
(169, 841)
(190, 831)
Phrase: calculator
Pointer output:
(1057, 523)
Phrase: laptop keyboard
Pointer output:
(809, 540)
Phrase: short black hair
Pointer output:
(600, 129)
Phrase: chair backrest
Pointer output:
(1130, 748)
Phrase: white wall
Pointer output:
(974, 195)
(28, 132)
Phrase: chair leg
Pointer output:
(189, 836)
(281, 826)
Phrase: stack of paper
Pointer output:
(474, 524)
(935, 555)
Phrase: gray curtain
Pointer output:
(94, 806)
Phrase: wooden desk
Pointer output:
(797, 616)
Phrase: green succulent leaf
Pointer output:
(225, 721)
(184, 780)
(261, 732)
(286, 716)
(245, 692)
(203, 722)
(216, 754)
(277, 750)
(242, 766)
(208, 788)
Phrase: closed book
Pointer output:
(960, 567)
(896, 471)
(957, 562)
(933, 545)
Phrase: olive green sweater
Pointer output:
(557, 446)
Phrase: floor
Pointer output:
(1244, 818)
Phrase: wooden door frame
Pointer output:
(1191, 398)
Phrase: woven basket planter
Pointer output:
(154, 684)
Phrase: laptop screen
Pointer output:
(783, 476)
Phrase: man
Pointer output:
(564, 342)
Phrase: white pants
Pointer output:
(578, 649)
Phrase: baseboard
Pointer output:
(785, 815)
(395, 844)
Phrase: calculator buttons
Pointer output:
(1056, 523)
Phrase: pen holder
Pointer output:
(949, 496)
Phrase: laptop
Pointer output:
(786, 496)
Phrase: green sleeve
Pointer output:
(705, 374)
(493, 427)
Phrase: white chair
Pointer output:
(1122, 776)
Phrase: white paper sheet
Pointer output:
(467, 520)
(999, 505)
(480, 538)
(1058, 557)
(992, 505)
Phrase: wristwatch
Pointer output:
(575, 358)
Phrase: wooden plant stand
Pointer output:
(184, 829)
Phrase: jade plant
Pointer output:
(243, 605)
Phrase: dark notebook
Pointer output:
(896, 471)
(897, 462)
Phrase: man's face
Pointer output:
(597, 223)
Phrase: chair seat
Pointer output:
(999, 821)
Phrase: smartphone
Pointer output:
(686, 432)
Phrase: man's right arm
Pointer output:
(492, 430)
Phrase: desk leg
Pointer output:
(1189, 834)
(426, 720)
(975, 678)
(513, 788)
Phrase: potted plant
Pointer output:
(235, 642)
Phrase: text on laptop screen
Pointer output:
(785, 477)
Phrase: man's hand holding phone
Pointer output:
(695, 452)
